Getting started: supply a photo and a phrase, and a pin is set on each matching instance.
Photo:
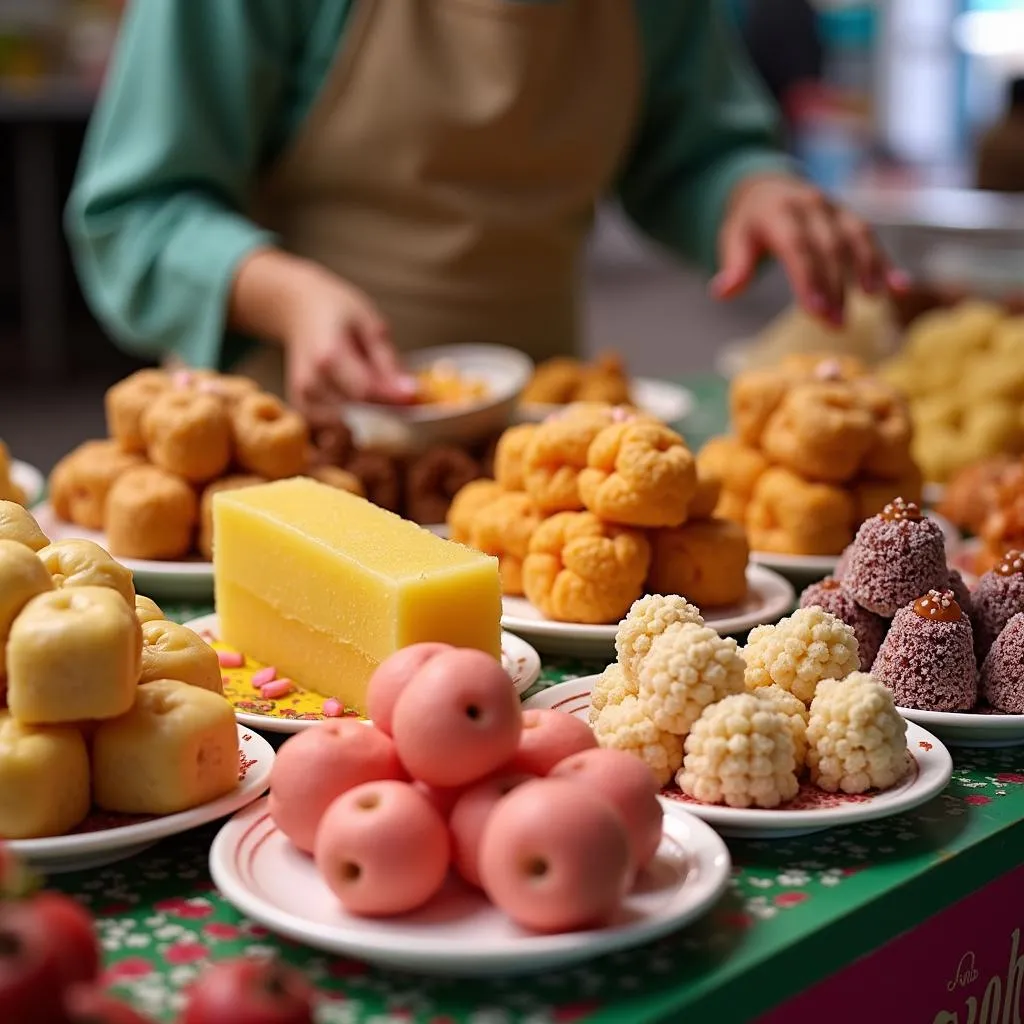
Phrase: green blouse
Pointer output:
(202, 95)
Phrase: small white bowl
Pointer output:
(401, 429)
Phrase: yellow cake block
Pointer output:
(324, 585)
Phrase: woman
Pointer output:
(344, 178)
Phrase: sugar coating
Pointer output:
(687, 668)
(928, 664)
(868, 627)
(796, 716)
(1002, 674)
(800, 651)
(893, 562)
(843, 563)
(626, 726)
(610, 687)
(647, 618)
(961, 593)
(740, 752)
(856, 739)
(996, 600)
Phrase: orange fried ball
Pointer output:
(227, 483)
(188, 433)
(737, 468)
(504, 528)
(554, 382)
(581, 569)
(704, 561)
(820, 431)
(127, 401)
(467, 505)
(638, 474)
(151, 514)
(270, 439)
(81, 481)
(792, 516)
(509, 454)
(889, 455)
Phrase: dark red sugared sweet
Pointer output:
(868, 627)
(843, 565)
(1002, 674)
(896, 556)
(998, 596)
(962, 593)
(927, 657)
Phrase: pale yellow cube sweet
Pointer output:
(170, 651)
(16, 523)
(44, 779)
(72, 655)
(148, 610)
(176, 749)
(22, 577)
(81, 563)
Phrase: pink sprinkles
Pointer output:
(276, 689)
(230, 659)
(333, 708)
(264, 676)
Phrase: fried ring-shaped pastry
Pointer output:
(151, 514)
(604, 380)
(554, 382)
(127, 401)
(333, 445)
(820, 431)
(228, 483)
(792, 516)
(509, 455)
(270, 438)
(433, 479)
(638, 474)
(81, 481)
(230, 388)
(503, 528)
(704, 561)
(972, 492)
(340, 479)
(467, 505)
(189, 434)
(580, 569)
(380, 476)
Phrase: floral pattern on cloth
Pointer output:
(161, 921)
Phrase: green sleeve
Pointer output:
(193, 107)
(707, 123)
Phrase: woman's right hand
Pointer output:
(337, 345)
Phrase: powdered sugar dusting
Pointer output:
(996, 600)
(1002, 675)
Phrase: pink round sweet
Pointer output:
(469, 817)
(629, 786)
(383, 849)
(548, 737)
(315, 767)
(390, 678)
(555, 857)
(444, 799)
(457, 720)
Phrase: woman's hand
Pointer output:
(337, 345)
(821, 246)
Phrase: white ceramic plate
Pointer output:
(84, 850)
(30, 480)
(661, 399)
(806, 569)
(504, 371)
(187, 580)
(813, 810)
(969, 728)
(521, 662)
(458, 933)
(769, 598)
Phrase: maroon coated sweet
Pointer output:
(962, 593)
(896, 556)
(1002, 675)
(843, 564)
(998, 596)
(868, 627)
(927, 657)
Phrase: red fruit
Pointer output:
(31, 984)
(249, 991)
(71, 933)
(94, 1006)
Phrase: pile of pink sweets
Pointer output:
(454, 775)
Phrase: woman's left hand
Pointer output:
(822, 246)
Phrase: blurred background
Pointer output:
(902, 106)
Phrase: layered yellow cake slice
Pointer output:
(324, 585)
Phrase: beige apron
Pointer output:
(451, 165)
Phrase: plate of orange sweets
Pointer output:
(594, 507)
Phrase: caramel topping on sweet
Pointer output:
(1010, 564)
(939, 606)
(900, 511)
(830, 584)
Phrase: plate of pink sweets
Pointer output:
(461, 835)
